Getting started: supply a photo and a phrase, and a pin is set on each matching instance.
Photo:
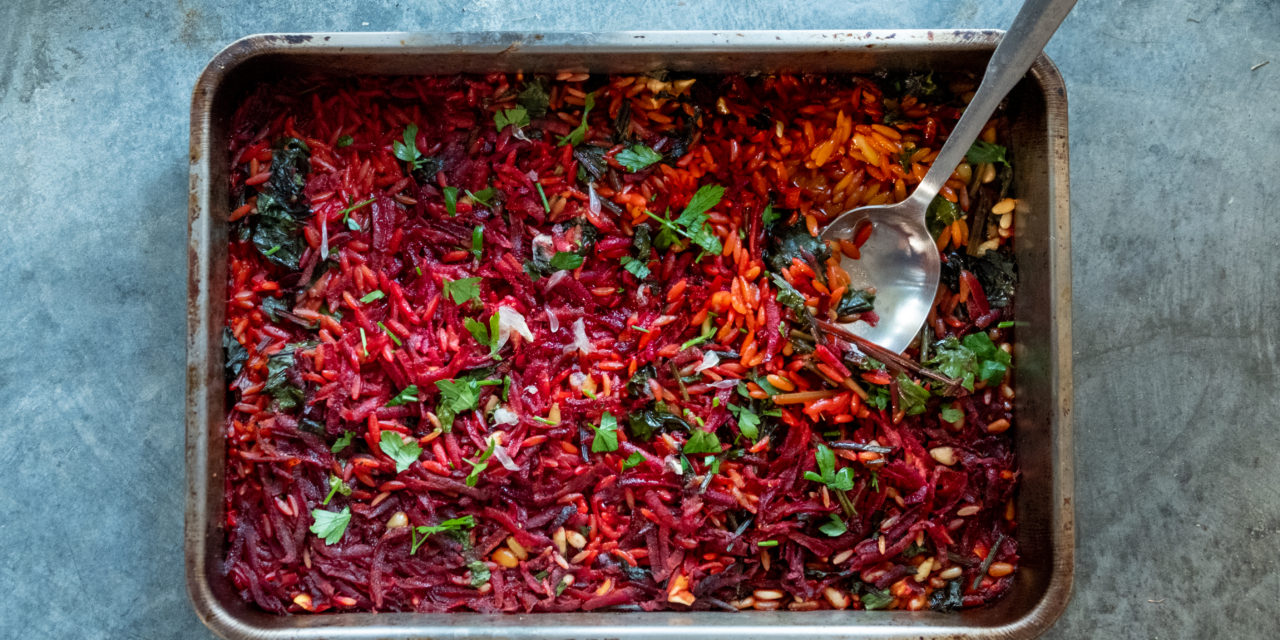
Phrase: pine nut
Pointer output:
(842, 556)
(767, 605)
(988, 173)
(398, 520)
(950, 573)
(944, 455)
(745, 603)
(1004, 206)
(836, 598)
(923, 570)
(575, 539)
(558, 539)
(999, 426)
(767, 594)
(517, 549)
(970, 510)
(1000, 569)
(504, 557)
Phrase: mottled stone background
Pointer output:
(1175, 183)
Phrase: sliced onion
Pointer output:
(503, 415)
(555, 279)
(709, 359)
(724, 384)
(553, 321)
(593, 200)
(510, 320)
(580, 340)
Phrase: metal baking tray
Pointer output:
(1038, 114)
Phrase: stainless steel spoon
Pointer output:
(900, 258)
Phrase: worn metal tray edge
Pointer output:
(204, 360)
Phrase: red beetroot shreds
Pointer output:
(481, 356)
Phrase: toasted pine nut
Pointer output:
(745, 603)
(397, 520)
(558, 539)
(836, 598)
(517, 549)
(988, 173)
(950, 573)
(842, 556)
(970, 510)
(944, 455)
(923, 570)
(504, 557)
(767, 605)
(999, 426)
(767, 594)
(1000, 569)
(1003, 207)
(575, 539)
(1006, 220)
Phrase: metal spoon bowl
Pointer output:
(900, 258)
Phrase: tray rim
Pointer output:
(199, 484)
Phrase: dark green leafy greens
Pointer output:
(534, 98)
(971, 359)
(941, 212)
(986, 153)
(913, 398)
(276, 228)
(789, 243)
(235, 354)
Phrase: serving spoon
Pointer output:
(900, 258)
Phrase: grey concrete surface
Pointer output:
(1177, 315)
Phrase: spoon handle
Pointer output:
(1020, 46)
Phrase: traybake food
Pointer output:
(524, 343)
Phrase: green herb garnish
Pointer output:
(450, 200)
(330, 525)
(827, 474)
(692, 222)
(452, 524)
(404, 453)
(606, 439)
(407, 395)
(336, 486)
(343, 442)
(515, 116)
(632, 461)
(637, 157)
(579, 133)
(834, 527)
(462, 290)
(701, 442)
(566, 261)
(376, 294)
